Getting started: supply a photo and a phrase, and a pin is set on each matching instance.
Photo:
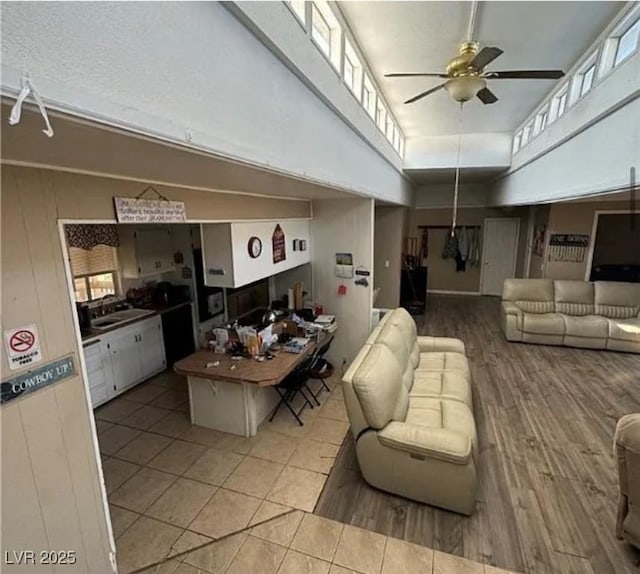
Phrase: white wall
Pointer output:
(283, 33)
(591, 147)
(387, 255)
(441, 195)
(343, 226)
(282, 282)
(597, 159)
(191, 73)
(476, 150)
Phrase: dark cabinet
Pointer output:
(177, 330)
(413, 290)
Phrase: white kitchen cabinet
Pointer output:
(98, 371)
(227, 257)
(151, 347)
(145, 251)
(123, 358)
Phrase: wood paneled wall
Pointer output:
(52, 496)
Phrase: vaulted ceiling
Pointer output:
(424, 36)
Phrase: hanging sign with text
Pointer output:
(36, 379)
(132, 210)
(23, 346)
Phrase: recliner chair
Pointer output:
(627, 446)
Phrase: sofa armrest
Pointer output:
(440, 344)
(442, 444)
(510, 308)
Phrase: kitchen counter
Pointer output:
(90, 336)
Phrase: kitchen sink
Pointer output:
(118, 317)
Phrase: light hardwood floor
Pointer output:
(547, 493)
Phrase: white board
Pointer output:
(132, 210)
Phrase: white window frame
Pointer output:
(527, 134)
(301, 18)
(333, 51)
(87, 284)
(373, 96)
(517, 138)
(633, 26)
(556, 100)
(381, 115)
(542, 121)
(590, 73)
(351, 56)
(591, 63)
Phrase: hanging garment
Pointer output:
(473, 246)
(463, 243)
(425, 244)
(476, 249)
(461, 264)
(450, 246)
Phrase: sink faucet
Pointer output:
(102, 301)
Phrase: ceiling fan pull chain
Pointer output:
(454, 219)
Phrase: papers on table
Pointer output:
(296, 345)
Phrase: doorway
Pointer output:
(614, 251)
(499, 253)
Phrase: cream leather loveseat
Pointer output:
(600, 315)
(627, 447)
(409, 403)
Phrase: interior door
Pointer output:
(499, 252)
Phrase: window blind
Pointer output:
(100, 259)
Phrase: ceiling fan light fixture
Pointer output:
(464, 88)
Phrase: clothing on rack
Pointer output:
(425, 244)
(450, 249)
(474, 246)
(464, 243)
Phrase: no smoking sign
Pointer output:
(23, 346)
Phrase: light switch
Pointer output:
(386, 264)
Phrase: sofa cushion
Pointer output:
(443, 361)
(547, 324)
(443, 444)
(590, 326)
(396, 340)
(624, 329)
(617, 300)
(445, 385)
(531, 295)
(439, 413)
(402, 319)
(428, 344)
(574, 297)
(377, 382)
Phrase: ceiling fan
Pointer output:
(467, 78)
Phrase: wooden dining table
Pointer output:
(232, 395)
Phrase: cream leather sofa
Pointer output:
(409, 403)
(627, 446)
(600, 315)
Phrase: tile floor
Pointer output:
(302, 543)
(173, 486)
(190, 500)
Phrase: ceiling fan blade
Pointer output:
(484, 57)
(486, 96)
(526, 75)
(423, 94)
(426, 75)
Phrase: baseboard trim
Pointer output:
(448, 292)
